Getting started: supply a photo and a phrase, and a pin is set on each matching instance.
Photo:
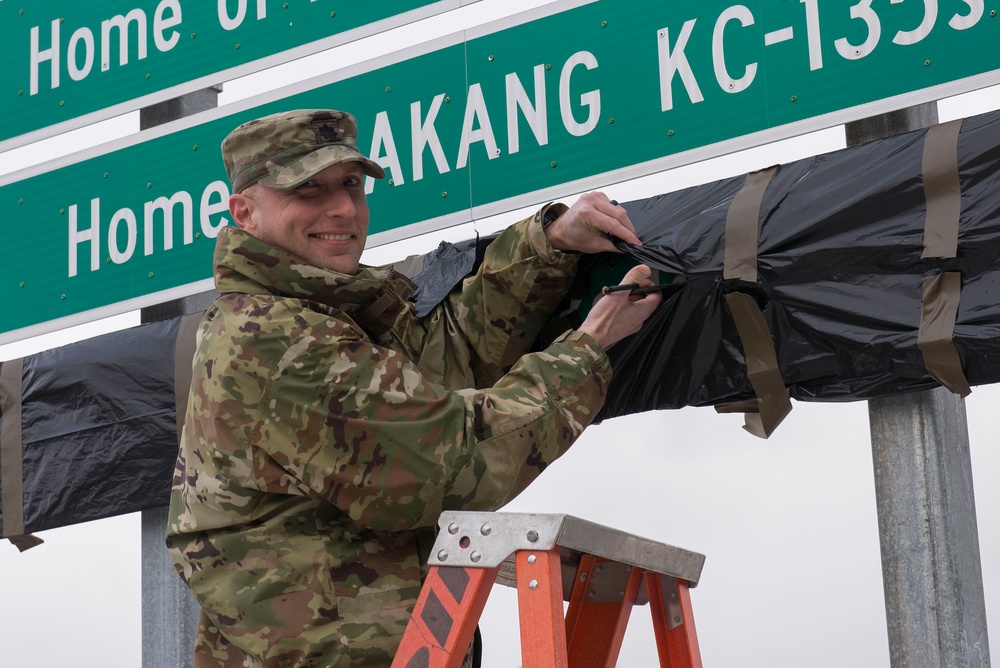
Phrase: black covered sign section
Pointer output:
(858, 303)
(843, 296)
(98, 434)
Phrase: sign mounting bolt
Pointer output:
(927, 63)
(444, 194)
(150, 274)
(63, 297)
(554, 163)
(22, 284)
(533, 584)
(333, 14)
(604, 24)
(795, 98)
(532, 536)
(611, 121)
(491, 57)
(670, 133)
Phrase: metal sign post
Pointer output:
(170, 612)
(931, 568)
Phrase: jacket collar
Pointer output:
(374, 296)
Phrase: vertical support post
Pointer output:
(169, 611)
(931, 568)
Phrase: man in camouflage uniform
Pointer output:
(328, 426)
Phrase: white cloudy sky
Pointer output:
(793, 574)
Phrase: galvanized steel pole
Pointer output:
(169, 611)
(931, 567)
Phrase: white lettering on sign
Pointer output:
(674, 61)
(81, 46)
(476, 113)
(382, 139)
(727, 82)
(425, 134)
(233, 22)
(123, 226)
(865, 36)
(535, 115)
(590, 100)
(477, 126)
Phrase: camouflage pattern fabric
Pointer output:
(328, 427)
(285, 150)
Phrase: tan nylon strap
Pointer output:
(765, 413)
(935, 339)
(184, 346)
(11, 472)
(942, 189)
(773, 402)
(740, 258)
(942, 293)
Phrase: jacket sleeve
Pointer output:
(500, 310)
(359, 425)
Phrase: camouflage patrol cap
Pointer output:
(285, 150)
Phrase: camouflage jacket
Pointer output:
(328, 427)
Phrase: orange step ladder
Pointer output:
(550, 559)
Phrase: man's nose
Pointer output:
(340, 204)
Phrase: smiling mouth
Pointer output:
(333, 237)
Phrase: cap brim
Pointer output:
(314, 162)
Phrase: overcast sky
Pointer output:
(793, 574)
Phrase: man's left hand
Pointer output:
(586, 226)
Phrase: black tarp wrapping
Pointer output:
(840, 277)
(98, 425)
(839, 284)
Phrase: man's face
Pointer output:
(324, 221)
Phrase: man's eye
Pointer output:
(352, 181)
(307, 184)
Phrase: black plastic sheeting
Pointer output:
(839, 279)
(840, 275)
(99, 435)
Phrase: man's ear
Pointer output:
(241, 208)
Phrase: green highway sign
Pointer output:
(68, 63)
(545, 104)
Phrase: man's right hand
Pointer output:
(618, 314)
